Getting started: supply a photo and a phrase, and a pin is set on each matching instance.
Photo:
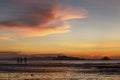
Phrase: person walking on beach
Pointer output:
(25, 60)
(21, 60)
(18, 60)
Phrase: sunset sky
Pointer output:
(82, 28)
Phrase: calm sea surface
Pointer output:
(66, 61)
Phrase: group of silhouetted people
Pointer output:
(22, 60)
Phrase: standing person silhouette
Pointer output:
(21, 60)
(25, 60)
(18, 60)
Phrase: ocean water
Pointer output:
(66, 61)
(38, 70)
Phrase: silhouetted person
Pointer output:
(25, 60)
(21, 60)
(18, 60)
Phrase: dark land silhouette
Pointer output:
(62, 57)
(52, 58)
(67, 58)
(105, 58)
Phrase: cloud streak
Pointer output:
(39, 18)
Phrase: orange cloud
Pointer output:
(40, 18)
(40, 31)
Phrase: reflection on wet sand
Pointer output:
(60, 71)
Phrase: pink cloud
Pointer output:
(39, 19)
(69, 13)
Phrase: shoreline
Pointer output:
(42, 68)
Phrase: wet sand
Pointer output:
(60, 71)
(113, 67)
